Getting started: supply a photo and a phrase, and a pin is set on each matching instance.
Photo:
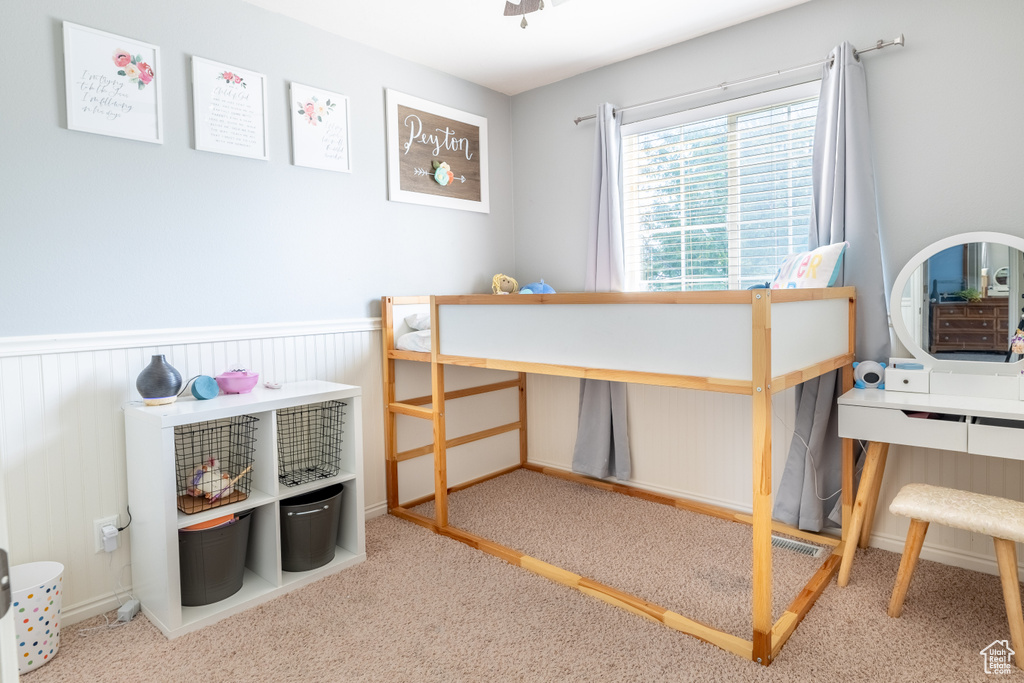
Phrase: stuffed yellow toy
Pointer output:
(503, 284)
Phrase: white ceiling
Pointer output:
(473, 40)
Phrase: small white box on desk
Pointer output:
(914, 381)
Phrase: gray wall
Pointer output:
(103, 234)
(949, 154)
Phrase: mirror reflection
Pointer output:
(964, 303)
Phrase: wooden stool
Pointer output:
(1000, 518)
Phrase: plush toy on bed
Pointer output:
(869, 375)
(537, 288)
(503, 284)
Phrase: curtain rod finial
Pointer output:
(899, 41)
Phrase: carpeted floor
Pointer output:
(426, 608)
(692, 564)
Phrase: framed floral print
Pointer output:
(229, 108)
(112, 84)
(320, 130)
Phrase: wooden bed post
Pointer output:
(761, 353)
(523, 451)
(437, 403)
(387, 333)
(848, 463)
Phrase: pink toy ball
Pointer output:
(237, 381)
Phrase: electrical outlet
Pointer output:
(97, 533)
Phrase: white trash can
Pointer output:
(36, 589)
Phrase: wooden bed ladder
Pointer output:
(426, 408)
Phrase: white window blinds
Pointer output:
(718, 203)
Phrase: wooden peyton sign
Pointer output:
(422, 134)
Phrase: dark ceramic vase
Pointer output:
(159, 382)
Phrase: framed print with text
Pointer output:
(437, 155)
(229, 107)
(112, 84)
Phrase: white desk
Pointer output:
(982, 426)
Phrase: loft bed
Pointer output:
(751, 342)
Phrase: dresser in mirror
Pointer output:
(960, 298)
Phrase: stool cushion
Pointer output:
(983, 514)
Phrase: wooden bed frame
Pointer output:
(692, 340)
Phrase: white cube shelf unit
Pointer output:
(153, 494)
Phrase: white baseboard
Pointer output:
(954, 558)
(87, 610)
(377, 510)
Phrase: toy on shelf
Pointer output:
(868, 374)
(227, 488)
(207, 479)
(537, 288)
(211, 482)
(503, 284)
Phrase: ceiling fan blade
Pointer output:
(524, 7)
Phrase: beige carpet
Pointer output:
(692, 564)
(426, 608)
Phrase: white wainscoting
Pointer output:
(698, 445)
(62, 446)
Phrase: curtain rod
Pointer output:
(722, 86)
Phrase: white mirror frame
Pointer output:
(900, 327)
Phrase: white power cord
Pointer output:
(118, 590)
(807, 450)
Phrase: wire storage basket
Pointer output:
(213, 461)
(309, 442)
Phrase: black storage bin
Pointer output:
(309, 528)
(212, 561)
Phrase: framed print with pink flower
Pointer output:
(229, 108)
(320, 130)
(437, 155)
(112, 84)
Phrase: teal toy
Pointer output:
(537, 288)
(205, 387)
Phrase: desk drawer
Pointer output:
(894, 426)
(999, 438)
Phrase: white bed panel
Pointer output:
(705, 340)
(399, 312)
(808, 332)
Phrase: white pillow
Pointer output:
(418, 321)
(415, 341)
(818, 268)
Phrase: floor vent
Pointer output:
(796, 546)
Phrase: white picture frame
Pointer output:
(112, 84)
(320, 128)
(229, 110)
(420, 132)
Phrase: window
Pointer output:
(717, 197)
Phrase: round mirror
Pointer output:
(959, 300)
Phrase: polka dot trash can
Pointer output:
(36, 588)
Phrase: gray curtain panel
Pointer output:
(602, 445)
(844, 209)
